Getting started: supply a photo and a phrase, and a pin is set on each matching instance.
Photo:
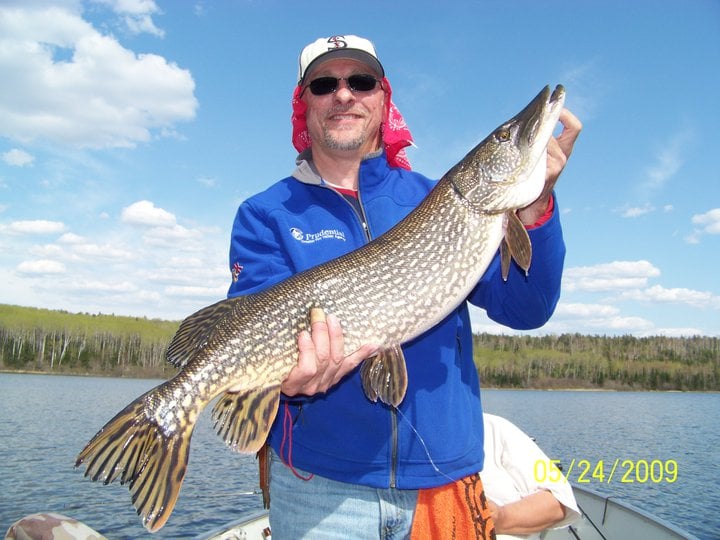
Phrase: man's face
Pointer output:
(345, 120)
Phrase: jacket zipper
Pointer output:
(394, 451)
(393, 413)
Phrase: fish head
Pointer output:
(506, 170)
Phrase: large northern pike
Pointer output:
(386, 293)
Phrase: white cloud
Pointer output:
(677, 332)
(41, 266)
(103, 251)
(572, 310)
(71, 247)
(709, 222)
(218, 292)
(71, 238)
(207, 181)
(145, 213)
(106, 286)
(137, 15)
(38, 226)
(17, 158)
(678, 295)
(589, 88)
(637, 211)
(609, 276)
(667, 163)
(175, 236)
(594, 318)
(65, 82)
(624, 324)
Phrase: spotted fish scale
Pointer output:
(385, 293)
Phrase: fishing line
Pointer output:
(422, 443)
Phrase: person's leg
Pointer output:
(320, 508)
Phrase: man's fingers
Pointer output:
(305, 369)
(569, 134)
(354, 359)
(366, 351)
(336, 338)
(320, 335)
(321, 359)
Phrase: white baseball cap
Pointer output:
(323, 49)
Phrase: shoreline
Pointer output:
(482, 388)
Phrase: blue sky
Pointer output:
(130, 130)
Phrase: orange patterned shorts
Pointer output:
(454, 511)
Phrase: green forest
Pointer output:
(39, 340)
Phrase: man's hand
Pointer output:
(558, 152)
(321, 359)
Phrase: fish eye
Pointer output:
(503, 135)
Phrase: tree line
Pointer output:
(60, 342)
(608, 362)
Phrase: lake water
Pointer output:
(46, 420)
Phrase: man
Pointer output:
(342, 465)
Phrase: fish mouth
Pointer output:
(540, 115)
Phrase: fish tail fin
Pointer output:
(133, 448)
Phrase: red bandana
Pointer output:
(395, 133)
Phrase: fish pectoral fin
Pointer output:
(243, 419)
(195, 331)
(384, 376)
(505, 259)
(515, 244)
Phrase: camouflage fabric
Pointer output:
(50, 526)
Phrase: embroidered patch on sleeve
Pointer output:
(236, 269)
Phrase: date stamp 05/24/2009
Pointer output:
(626, 471)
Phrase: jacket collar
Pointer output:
(306, 172)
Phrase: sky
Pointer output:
(131, 130)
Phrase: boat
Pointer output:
(602, 518)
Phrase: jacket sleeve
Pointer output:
(526, 302)
(256, 258)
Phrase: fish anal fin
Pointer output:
(142, 455)
(243, 419)
(384, 376)
(517, 243)
(195, 330)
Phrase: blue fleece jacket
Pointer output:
(437, 433)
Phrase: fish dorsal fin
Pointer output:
(243, 419)
(515, 244)
(195, 331)
(384, 376)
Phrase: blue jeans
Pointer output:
(321, 508)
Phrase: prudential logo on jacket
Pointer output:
(311, 238)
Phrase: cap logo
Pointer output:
(336, 42)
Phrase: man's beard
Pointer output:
(336, 144)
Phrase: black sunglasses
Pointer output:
(328, 85)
